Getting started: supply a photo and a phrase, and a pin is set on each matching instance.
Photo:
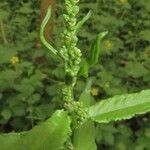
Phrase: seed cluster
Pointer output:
(67, 92)
(78, 109)
(69, 51)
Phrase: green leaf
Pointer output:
(49, 135)
(136, 69)
(120, 107)
(6, 53)
(84, 69)
(84, 136)
(85, 96)
(94, 55)
(26, 8)
(109, 138)
(7, 79)
(18, 111)
(145, 34)
(95, 50)
(4, 14)
(6, 114)
(43, 25)
(80, 23)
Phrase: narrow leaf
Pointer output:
(50, 135)
(84, 69)
(84, 136)
(94, 55)
(95, 50)
(43, 25)
(80, 23)
(121, 107)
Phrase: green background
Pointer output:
(29, 90)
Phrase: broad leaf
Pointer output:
(120, 107)
(84, 136)
(50, 135)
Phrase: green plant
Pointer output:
(78, 116)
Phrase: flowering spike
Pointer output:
(69, 51)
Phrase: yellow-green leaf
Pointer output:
(121, 107)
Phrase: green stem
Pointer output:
(43, 25)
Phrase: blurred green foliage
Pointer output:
(26, 73)
(29, 78)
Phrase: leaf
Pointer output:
(84, 136)
(84, 69)
(95, 51)
(120, 107)
(26, 8)
(94, 55)
(7, 79)
(86, 97)
(80, 23)
(43, 25)
(6, 53)
(109, 138)
(49, 135)
(18, 111)
(6, 114)
(145, 35)
(4, 14)
(136, 69)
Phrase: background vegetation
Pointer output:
(29, 78)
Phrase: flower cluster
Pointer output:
(77, 108)
(14, 60)
(67, 92)
(124, 1)
(94, 91)
(107, 44)
(69, 51)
